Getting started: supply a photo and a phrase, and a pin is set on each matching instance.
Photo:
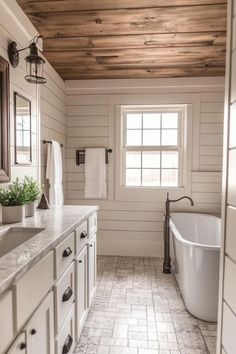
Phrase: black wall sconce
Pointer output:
(34, 63)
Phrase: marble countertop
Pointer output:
(57, 224)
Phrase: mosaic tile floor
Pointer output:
(139, 310)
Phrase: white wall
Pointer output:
(227, 302)
(48, 101)
(15, 26)
(53, 118)
(131, 228)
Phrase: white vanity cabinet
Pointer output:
(40, 328)
(19, 346)
(44, 311)
(92, 268)
(81, 290)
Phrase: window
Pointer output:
(152, 147)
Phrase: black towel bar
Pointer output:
(80, 156)
(49, 142)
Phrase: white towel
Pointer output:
(54, 174)
(95, 173)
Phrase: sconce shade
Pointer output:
(34, 63)
(34, 66)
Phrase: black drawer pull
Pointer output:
(22, 346)
(33, 331)
(83, 234)
(67, 294)
(67, 252)
(80, 261)
(67, 345)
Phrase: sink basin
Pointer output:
(15, 236)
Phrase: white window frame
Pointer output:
(143, 193)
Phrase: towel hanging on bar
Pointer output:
(95, 174)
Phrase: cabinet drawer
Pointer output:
(92, 224)
(81, 237)
(6, 320)
(32, 287)
(65, 342)
(64, 296)
(19, 346)
(64, 254)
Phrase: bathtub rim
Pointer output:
(190, 243)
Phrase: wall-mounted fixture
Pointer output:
(34, 63)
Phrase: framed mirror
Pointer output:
(23, 140)
(4, 121)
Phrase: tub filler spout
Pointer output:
(167, 260)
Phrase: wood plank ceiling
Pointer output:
(99, 39)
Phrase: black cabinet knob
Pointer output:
(33, 331)
(67, 294)
(67, 345)
(80, 261)
(67, 252)
(91, 245)
(22, 346)
(83, 234)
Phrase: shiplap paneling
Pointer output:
(89, 125)
(53, 119)
(12, 19)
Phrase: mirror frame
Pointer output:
(5, 121)
(16, 94)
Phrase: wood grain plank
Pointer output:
(117, 22)
(82, 5)
(126, 56)
(135, 41)
(72, 73)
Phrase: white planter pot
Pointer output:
(12, 214)
(30, 209)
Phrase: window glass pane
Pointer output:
(151, 120)
(19, 124)
(19, 139)
(170, 120)
(151, 137)
(169, 159)
(26, 138)
(133, 159)
(170, 137)
(26, 123)
(134, 138)
(134, 121)
(169, 178)
(151, 177)
(133, 177)
(151, 160)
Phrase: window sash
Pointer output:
(156, 148)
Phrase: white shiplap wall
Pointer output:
(131, 228)
(53, 118)
(227, 295)
(48, 101)
(15, 26)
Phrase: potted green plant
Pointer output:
(12, 201)
(31, 195)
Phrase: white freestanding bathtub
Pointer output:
(195, 254)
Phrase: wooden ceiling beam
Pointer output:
(76, 74)
(125, 22)
(90, 5)
(135, 41)
(133, 54)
